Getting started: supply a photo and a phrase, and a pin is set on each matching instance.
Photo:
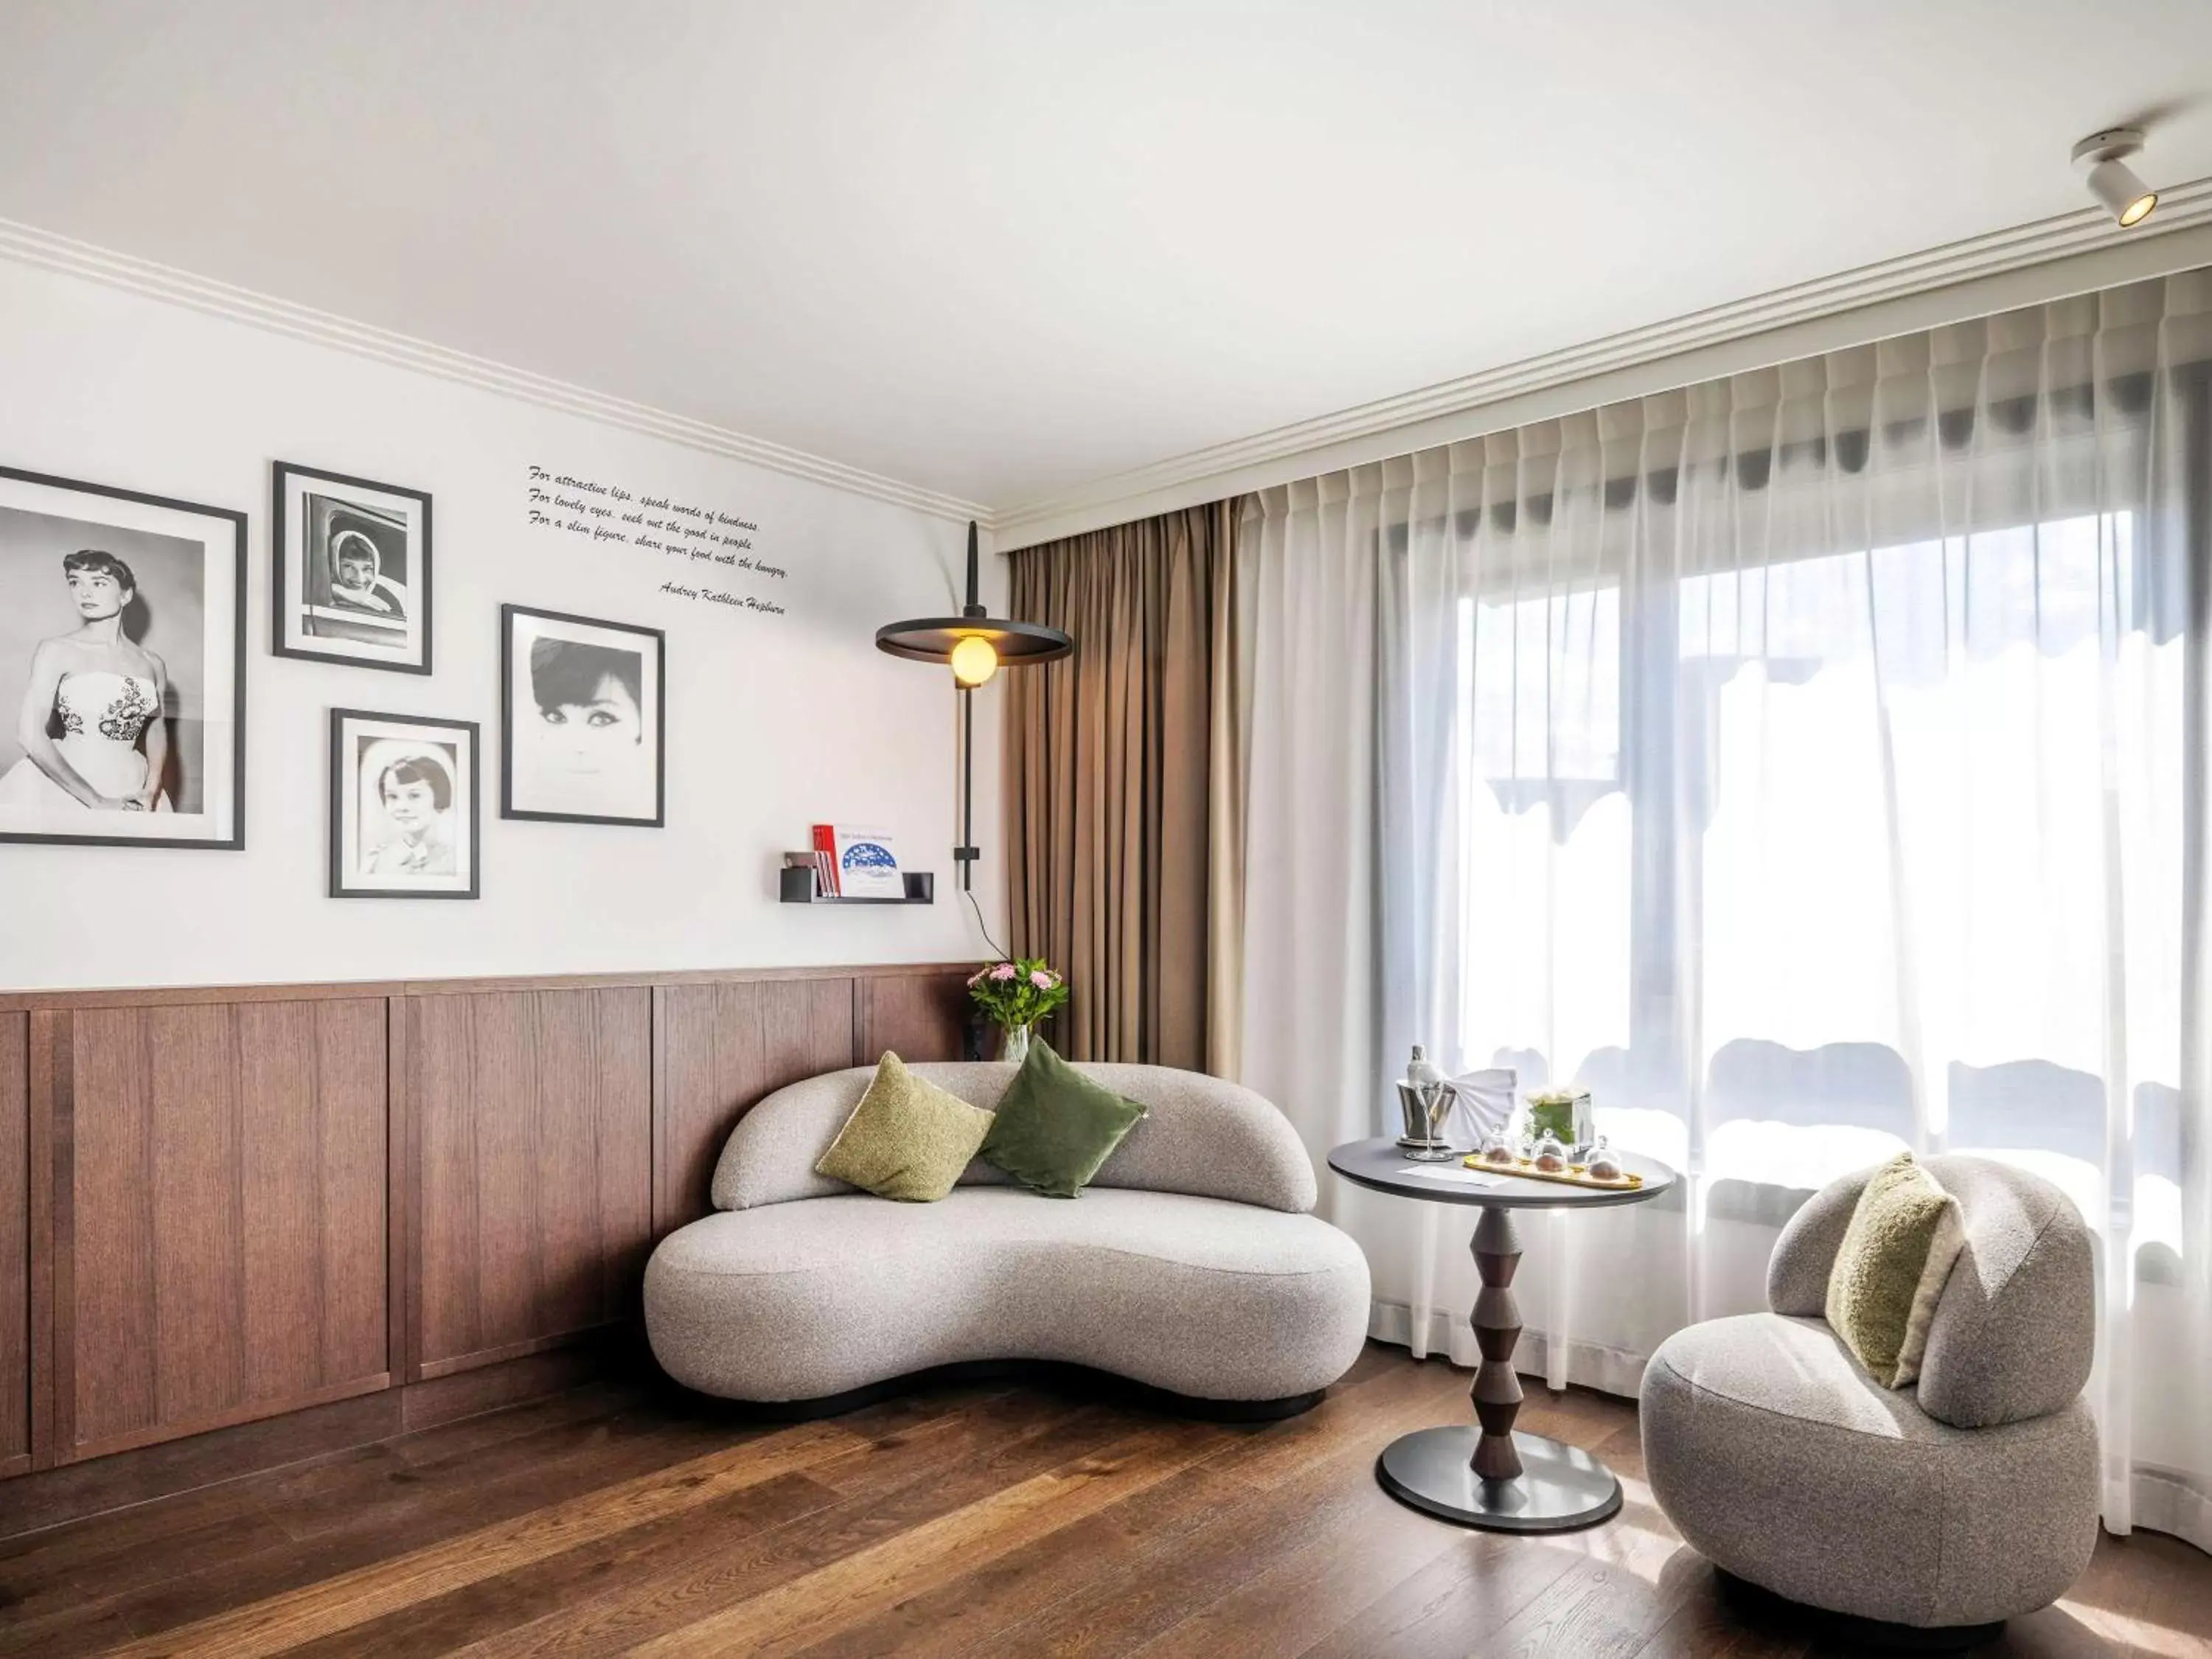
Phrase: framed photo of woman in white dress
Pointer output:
(581, 719)
(350, 571)
(403, 814)
(122, 667)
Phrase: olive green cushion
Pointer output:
(908, 1138)
(1904, 1236)
(1054, 1126)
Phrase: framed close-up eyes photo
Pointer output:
(582, 739)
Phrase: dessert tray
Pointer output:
(1575, 1175)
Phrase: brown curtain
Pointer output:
(1122, 788)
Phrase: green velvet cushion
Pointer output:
(1054, 1126)
(908, 1138)
(1904, 1236)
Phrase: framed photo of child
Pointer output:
(350, 568)
(403, 814)
(581, 703)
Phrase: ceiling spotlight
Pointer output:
(2104, 158)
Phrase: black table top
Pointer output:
(1381, 1164)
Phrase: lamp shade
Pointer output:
(2125, 197)
(932, 639)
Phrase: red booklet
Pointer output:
(825, 861)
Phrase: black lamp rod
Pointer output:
(967, 853)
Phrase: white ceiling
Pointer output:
(998, 248)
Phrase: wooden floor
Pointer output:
(990, 1521)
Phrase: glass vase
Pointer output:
(1564, 1115)
(1014, 1043)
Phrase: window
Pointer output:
(1836, 865)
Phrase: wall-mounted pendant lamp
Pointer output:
(976, 647)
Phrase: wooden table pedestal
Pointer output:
(1485, 1473)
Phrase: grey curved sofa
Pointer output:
(1965, 1500)
(1189, 1266)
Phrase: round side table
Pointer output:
(1485, 1473)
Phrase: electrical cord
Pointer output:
(982, 928)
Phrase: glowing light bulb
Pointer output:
(974, 660)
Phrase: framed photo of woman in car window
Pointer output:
(350, 571)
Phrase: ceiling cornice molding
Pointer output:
(1145, 490)
(30, 245)
(1374, 430)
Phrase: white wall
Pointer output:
(773, 722)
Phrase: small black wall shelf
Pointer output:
(798, 888)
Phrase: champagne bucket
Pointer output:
(1423, 1105)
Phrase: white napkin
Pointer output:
(1481, 1101)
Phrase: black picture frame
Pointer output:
(342, 778)
(421, 588)
(223, 518)
(508, 615)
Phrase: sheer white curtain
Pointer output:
(1813, 764)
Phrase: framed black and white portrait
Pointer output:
(403, 814)
(122, 667)
(350, 571)
(581, 719)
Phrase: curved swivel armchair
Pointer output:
(1962, 1501)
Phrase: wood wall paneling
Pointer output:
(719, 1049)
(15, 1244)
(532, 1113)
(218, 1205)
(917, 1016)
(402, 1167)
(222, 1253)
(313, 1122)
(49, 1205)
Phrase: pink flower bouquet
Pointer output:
(1018, 993)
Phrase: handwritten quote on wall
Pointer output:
(714, 549)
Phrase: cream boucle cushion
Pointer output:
(1197, 1296)
(1200, 1135)
(1905, 1235)
(1777, 1457)
(2014, 1332)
